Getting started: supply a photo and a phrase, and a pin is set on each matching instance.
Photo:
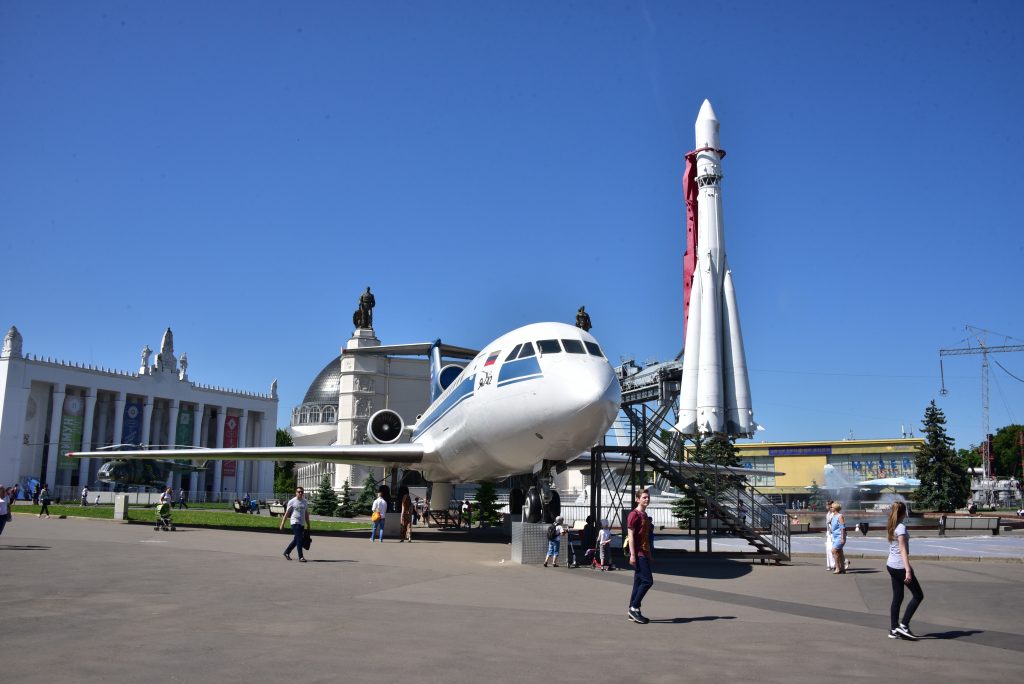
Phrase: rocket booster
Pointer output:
(715, 393)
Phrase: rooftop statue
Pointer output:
(12, 344)
(146, 352)
(363, 316)
(583, 319)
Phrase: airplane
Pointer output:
(834, 480)
(148, 473)
(531, 400)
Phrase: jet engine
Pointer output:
(447, 375)
(385, 427)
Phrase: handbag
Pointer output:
(307, 540)
(376, 516)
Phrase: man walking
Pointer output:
(182, 499)
(640, 555)
(297, 512)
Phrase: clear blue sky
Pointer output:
(241, 171)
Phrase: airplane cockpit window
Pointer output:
(512, 354)
(573, 346)
(549, 346)
(593, 349)
(527, 350)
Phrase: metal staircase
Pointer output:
(738, 508)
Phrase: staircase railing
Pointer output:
(739, 508)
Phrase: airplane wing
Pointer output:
(416, 349)
(370, 454)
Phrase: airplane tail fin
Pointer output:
(440, 376)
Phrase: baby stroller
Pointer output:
(163, 518)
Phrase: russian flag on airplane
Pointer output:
(491, 359)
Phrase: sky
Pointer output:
(240, 172)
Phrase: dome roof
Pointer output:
(325, 387)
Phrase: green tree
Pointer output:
(716, 451)
(1006, 451)
(971, 457)
(945, 485)
(366, 497)
(685, 509)
(284, 471)
(815, 498)
(325, 502)
(486, 509)
(346, 507)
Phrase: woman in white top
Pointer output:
(901, 574)
(830, 562)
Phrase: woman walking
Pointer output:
(838, 529)
(901, 574)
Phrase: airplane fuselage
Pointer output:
(541, 392)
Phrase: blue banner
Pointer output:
(131, 432)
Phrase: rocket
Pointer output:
(715, 394)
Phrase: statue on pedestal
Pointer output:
(363, 316)
(146, 352)
(583, 319)
(12, 344)
(183, 361)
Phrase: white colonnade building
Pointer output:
(50, 407)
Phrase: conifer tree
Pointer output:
(816, 498)
(326, 501)
(486, 509)
(945, 485)
(365, 501)
(346, 507)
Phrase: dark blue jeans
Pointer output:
(296, 539)
(642, 581)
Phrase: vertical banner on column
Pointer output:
(230, 442)
(71, 422)
(183, 433)
(131, 431)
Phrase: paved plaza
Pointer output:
(99, 601)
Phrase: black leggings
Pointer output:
(897, 577)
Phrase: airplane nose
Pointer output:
(598, 393)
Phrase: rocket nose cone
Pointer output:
(706, 127)
(707, 111)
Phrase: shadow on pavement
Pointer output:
(703, 618)
(23, 547)
(952, 634)
(703, 569)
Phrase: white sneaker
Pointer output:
(905, 632)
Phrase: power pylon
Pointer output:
(984, 349)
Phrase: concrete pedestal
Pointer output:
(121, 507)
(529, 542)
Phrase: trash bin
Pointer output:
(862, 527)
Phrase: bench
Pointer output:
(799, 528)
(239, 507)
(957, 522)
(276, 508)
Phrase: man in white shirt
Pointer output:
(378, 511)
(85, 496)
(297, 512)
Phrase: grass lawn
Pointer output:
(188, 517)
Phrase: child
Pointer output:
(604, 540)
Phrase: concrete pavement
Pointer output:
(89, 600)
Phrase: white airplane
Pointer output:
(533, 398)
(834, 480)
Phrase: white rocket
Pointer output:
(715, 396)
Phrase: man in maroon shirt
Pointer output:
(638, 525)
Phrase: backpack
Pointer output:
(551, 533)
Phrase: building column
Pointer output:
(90, 410)
(218, 465)
(173, 479)
(147, 416)
(119, 402)
(197, 437)
(57, 408)
(240, 469)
